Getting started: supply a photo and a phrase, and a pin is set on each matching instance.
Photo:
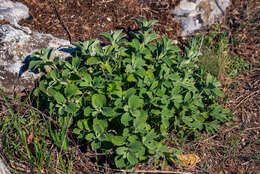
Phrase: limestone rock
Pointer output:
(3, 168)
(195, 14)
(16, 46)
(13, 12)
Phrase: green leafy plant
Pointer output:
(130, 94)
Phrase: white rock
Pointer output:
(193, 15)
(16, 48)
(13, 11)
(186, 5)
(3, 168)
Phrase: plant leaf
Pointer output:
(135, 102)
(98, 101)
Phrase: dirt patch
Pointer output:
(86, 19)
(244, 23)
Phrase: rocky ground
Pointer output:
(235, 149)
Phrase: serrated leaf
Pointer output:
(118, 140)
(72, 108)
(209, 79)
(155, 111)
(99, 126)
(187, 97)
(131, 78)
(135, 102)
(149, 140)
(106, 66)
(107, 36)
(150, 74)
(125, 132)
(80, 124)
(109, 112)
(57, 95)
(53, 74)
(125, 119)
(98, 100)
(140, 121)
(95, 145)
(218, 92)
(75, 62)
(93, 61)
(154, 85)
(177, 98)
(87, 111)
(76, 131)
(90, 136)
(132, 158)
(121, 150)
(34, 64)
(138, 63)
(137, 148)
(120, 162)
(129, 93)
(140, 72)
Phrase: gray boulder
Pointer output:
(195, 14)
(13, 12)
(16, 46)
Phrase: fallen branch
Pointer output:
(62, 22)
(149, 171)
(244, 99)
(252, 128)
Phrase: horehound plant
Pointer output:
(129, 95)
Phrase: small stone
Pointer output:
(3, 168)
(185, 5)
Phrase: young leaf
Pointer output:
(118, 140)
(120, 162)
(71, 90)
(121, 150)
(87, 111)
(132, 158)
(57, 95)
(125, 119)
(99, 126)
(75, 62)
(72, 108)
(135, 102)
(93, 61)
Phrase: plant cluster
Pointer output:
(129, 95)
(216, 56)
(24, 139)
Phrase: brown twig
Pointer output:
(149, 171)
(61, 21)
(252, 128)
(244, 99)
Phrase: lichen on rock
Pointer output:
(16, 48)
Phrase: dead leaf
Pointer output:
(189, 160)
(30, 138)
